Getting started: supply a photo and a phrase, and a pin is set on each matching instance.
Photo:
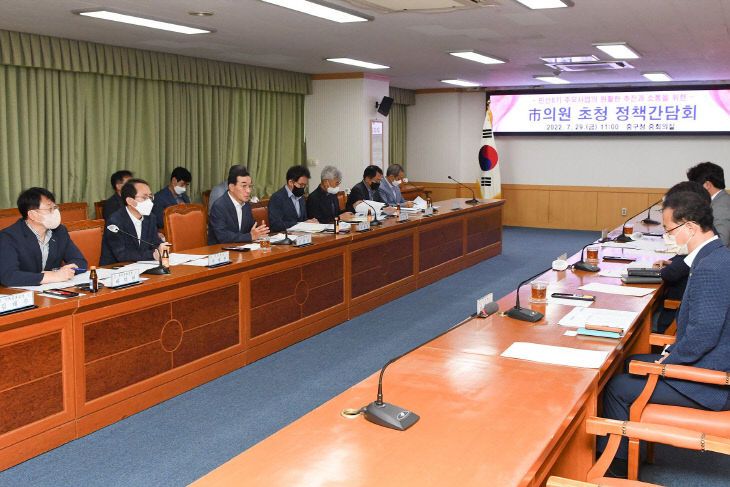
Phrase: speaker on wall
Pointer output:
(384, 106)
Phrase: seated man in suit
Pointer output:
(322, 203)
(367, 189)
(389, 189)
(220, 189)
(712, 177)
(703, 322)
(115, 201)
(173, 194)
(230, 219)
(287, 205)
(37, 248)
(136, 218)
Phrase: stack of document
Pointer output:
(307, 227)
(548, 354)
(599, 287)
(580, 317)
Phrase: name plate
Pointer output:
(483, 302)
(16, 301)
(301, 240)
(428, 211)
(219, 258)
(123, 278)
(363, 226)
(403, 217)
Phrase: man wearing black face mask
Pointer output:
(287, 206)
(367, 189)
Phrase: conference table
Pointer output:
(72, 366)
(485, 419)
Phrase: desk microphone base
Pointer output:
(390, 416)
(525, 314)
(649, 221)
(286, 241)
(585, 266)
(472, 201)
(624, 239)
(157, 271)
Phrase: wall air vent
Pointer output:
(591, 66)
(420, 6)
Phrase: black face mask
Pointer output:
(374, 186)
(298, 192)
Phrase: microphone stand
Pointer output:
(285, 241)
(155, 271)
(524, 314)
(375, 221)
(391, 416)
(582, 265)
(473, 200)
(623, 238)
(649, 220)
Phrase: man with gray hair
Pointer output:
(389, 190)
(322, 203)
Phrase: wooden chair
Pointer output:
(342, 200)
(669, 435)
(712, 422)
(99, 208)
(206, 199)
(87, 234)
(8, 216)
(73, 212)
(264, 203)
(185, 226)
(260, 213)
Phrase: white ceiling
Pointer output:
(689, 39)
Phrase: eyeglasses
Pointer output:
(245, 186)
(669, 232)
(150, 197)
(300, 185)
(51, 209)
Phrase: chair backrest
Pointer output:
(342, 199)
(99, 208)
(185, 226)
(261, 213)
(8, 216)
(86, 234)
(73, 212)
(206, 198)
(261, 203)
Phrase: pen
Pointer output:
(580, 297)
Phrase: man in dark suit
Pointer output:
(287, 205)
(172, 194)
(136, 218)
(322, 203)
(367, 189)
(712, 177)
(37, 248)
(703, 322)
(115, 201)
(230, 219)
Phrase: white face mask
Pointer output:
(52, 220)
(334, 190)
(179, 190)
(144, 207)
(671, 242)
(398, 182)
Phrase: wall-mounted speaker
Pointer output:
(384, 106)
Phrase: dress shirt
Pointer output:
(137, 222)
(44, 244)
(391, 193)
(239, 208)
(296, 201)
(691, 256)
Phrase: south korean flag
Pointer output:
(490, 181)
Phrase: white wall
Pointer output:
(444, 135)
(373, 90)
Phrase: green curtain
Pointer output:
(397, 122)
(69, 130)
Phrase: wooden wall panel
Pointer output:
(526, 208)
(572, 209)
(610, 205)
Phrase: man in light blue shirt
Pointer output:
(390, 190)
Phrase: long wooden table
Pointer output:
(485, 419)
(71, 367)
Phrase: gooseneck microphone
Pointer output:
(375, 221)
(391, 416)
(582, 265)
(473, 200)
(524, 314)
(156, 271)
(623, 238)
(285, 241)
(649, 220)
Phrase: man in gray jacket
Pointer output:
(712, 177)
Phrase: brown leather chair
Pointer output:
(264, 203)
(342, 200)
(86, 234)
(8, 217)
(679, 437)
(206, 198)
(712, 422)
(73, 212)
(99, 208)
(261, 213)
(185, 226)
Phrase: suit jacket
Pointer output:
(163, 199)
(282, 213)
(721, 216)
(391, 193)
(118, 247)
(360, 192)
(112, 205)
(323, 206)
(223, 222)
(703, 325)
(20, 259)
(675, 280)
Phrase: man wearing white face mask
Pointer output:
(390, 189)
(173, 194)
(136, 218)
(37, 248)
(322, 203)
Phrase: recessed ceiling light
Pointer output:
(322, 10)
(107, 14)
(355, 62)
(460, 82)
(657, 76)
(200, 13)
(570, 59)
(538, 4)
(552, 79)
(477, 57)
(618, 50)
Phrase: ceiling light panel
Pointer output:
(478, 57)
(322, 10)
(106, 14)
(657, 76)
(552, 80)
(618, 50)
(356, 62)
(460, 82)
(540, 4)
